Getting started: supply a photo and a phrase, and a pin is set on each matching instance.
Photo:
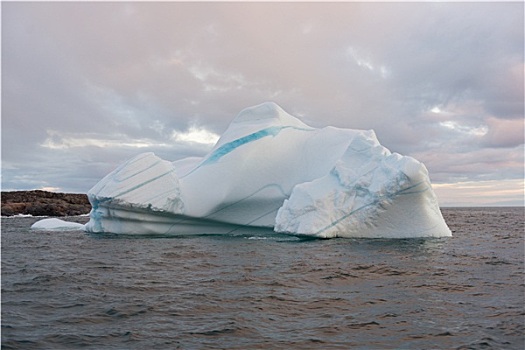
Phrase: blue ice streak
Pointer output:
(230, 146)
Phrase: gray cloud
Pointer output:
(439, 81)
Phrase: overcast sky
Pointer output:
(85, 86)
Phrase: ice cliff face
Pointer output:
(269, 169)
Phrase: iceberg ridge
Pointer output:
(271, 170)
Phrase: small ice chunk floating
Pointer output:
(54, 224)
(269, 169)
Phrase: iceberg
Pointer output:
(271, 170)
(54, 224)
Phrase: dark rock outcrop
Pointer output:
(44, 203)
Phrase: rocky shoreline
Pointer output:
(43, 203)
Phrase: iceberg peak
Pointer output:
(265, 110)
(267, 113)
(269, 169)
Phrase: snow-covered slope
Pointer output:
(269, 169)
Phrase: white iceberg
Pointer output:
(271, 170)
(54, 224)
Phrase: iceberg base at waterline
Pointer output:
(271, 170)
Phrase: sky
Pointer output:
(88, 85)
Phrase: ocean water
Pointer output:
(68, 290)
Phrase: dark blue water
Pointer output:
(67, 290)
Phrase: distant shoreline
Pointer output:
(44, 203)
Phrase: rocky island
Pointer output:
(43, 203)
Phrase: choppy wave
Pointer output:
(262, 290)
(22, 216)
